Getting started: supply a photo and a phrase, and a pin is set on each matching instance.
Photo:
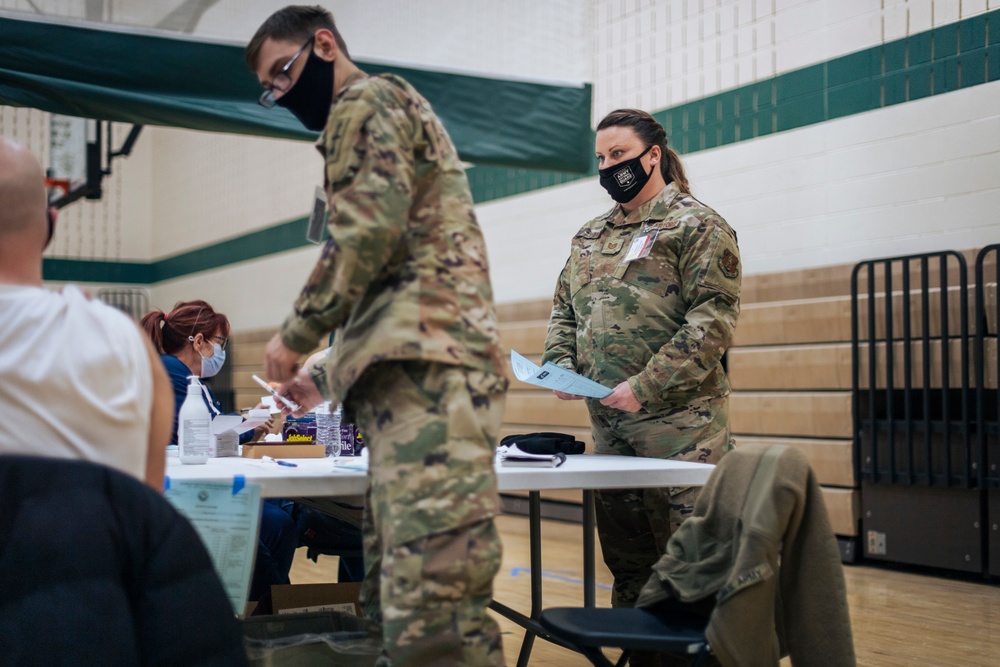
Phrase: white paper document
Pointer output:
(236, 423)
(514, 457)
(227, 522)
(551, 376)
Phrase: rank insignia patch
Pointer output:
(612, 247)
(730, 264)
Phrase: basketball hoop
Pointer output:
(61, 183)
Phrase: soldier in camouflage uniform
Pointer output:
(647, 304)
(403, 282)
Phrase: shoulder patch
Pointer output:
(344, 137)
(730, 264)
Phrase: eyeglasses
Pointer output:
(223, 341)
(281, 81)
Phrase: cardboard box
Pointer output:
(283, 450)
(351, 440)
(299, 598)
(226, 431)
(224, 444)
(299, 429)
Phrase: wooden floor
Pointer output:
(899, 618)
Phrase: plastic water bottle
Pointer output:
(336, 419)
(328, 427)
(323, 421)
(193, 426)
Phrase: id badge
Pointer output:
(640, 247)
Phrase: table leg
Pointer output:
(532, 628)
(535, 559)
(589, 570)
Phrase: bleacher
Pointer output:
(790, 380)
(790, 366)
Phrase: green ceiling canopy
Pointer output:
(178, 81)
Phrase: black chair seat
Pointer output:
(634, 629)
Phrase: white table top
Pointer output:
(322, 477)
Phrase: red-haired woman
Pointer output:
(191, 340)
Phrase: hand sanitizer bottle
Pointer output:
(193, 426)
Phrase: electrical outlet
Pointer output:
(876, 543)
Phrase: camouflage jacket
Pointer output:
(404, 274)
(662, 322)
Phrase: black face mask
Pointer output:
(310, 98)
(624, 180)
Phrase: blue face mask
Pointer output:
(210, 366)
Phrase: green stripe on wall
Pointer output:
(938, 61)
(285, 236)
(930, 63)
(96, 271)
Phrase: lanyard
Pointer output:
(211, 403)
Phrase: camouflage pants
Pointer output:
(635, 524)
(431, 549)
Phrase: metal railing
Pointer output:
(988, 397)
(133, 301)
(907, 430)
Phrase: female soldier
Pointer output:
(647, 304)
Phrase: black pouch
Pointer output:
(544, 443)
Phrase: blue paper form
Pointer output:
(551, 376)
(227, 518)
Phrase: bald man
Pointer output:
(77, 378)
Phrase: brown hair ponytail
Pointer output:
(170, 332)
(151, 323)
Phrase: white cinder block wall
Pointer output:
(912, 177)
(238, 184)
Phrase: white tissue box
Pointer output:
(225, 444)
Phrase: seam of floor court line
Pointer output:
(555, 575)
(937, 61)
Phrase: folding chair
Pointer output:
(590, 629)
(752, 576)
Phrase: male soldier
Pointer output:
(404, 283)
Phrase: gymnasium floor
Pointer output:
(900, 619)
